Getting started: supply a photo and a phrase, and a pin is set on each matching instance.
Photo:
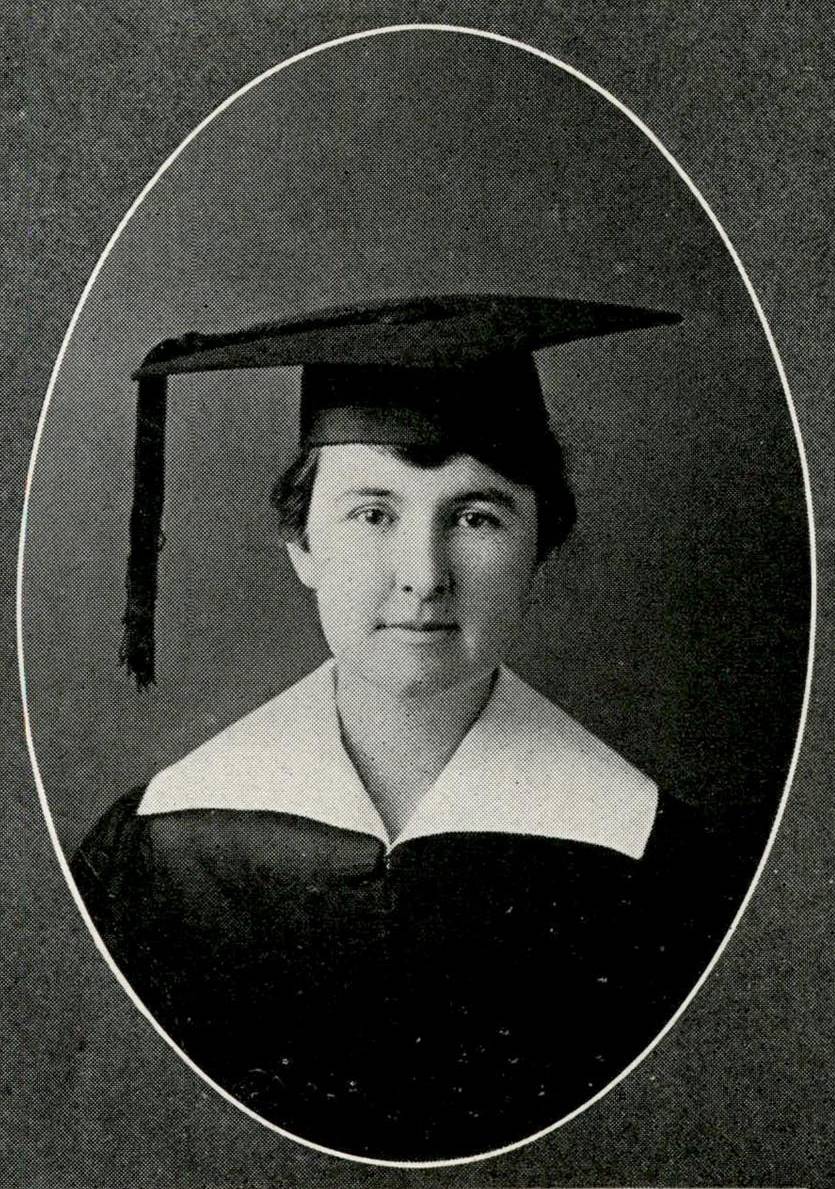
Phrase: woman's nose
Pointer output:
(423, 564)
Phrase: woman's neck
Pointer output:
(400, 745)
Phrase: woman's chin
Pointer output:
(407, 673)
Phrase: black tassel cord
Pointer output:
(138, 649)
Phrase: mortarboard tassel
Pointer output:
(137, 651)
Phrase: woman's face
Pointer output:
(422, 576)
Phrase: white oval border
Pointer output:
(327, 45)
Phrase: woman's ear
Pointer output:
(304, 563)
(536, 586)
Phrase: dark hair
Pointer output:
(543, 471)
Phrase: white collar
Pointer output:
(524, 767)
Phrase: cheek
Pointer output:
(496, 581)
(351, 585)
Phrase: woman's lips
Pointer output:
(419, 633)
(421, 627)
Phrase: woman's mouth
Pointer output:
(407, 625)
(417, 632)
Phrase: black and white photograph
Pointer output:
(416, 607)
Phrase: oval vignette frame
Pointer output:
(670, 160)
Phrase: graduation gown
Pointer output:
(525, 937)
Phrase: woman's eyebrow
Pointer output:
(365, 492)
(487, 495)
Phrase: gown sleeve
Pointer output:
(103, 864)
(685, 897)
(128, 894)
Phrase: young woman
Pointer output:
(408, 909)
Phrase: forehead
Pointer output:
(351, 467)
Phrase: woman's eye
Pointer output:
(477, 520)
(372, 516)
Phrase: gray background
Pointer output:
(744, 109)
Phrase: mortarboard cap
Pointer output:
(454, 371)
